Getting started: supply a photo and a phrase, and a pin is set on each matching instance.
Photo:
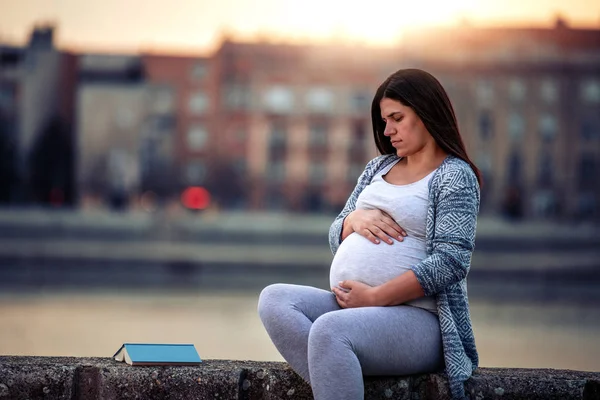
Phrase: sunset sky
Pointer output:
(197, 24)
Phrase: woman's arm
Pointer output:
(375, 225)
(399, 290)
(454, 240)
(335, 231)
(454, 227)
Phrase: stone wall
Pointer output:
(53, 378)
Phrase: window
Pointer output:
(276, 171)
(358, 145)
(317, 172)
(199, 70)
(590, 127)
(162, 124)
(545, 173)
(359, 132)
(236, 97)
(547, 127)
(590, 91)
(197, 137)
(278, 137)
(514, 168)
(318, 135)
(360, 102)
(485, 92)
(162, 100)
(586, 205)
(320, 100)
(484, 163)
(517, 90)
(549, 90)
(6, 98)
(279, 99)
(587, 170)
(195, 172)
(486, 123)
(198, 103)
(516, 127)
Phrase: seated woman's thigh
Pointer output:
(387, 340)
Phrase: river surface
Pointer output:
(225, 325)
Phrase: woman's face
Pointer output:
(404, 128)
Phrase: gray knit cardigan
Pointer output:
(450, 234)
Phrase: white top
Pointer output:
(361, 260)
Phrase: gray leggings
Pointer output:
(332, 348)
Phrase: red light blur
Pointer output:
(195, 198)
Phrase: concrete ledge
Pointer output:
(102, 378)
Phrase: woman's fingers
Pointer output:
(393, 230)
(377, 226)
(392, 224)
(381, 234)
(369, 235)
(340, 296)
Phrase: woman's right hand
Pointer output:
(375, 225)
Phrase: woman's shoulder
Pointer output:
(380, 162)
(454, 174)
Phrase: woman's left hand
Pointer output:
(355, 294)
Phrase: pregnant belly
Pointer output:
(374, 264)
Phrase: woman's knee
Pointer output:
(270, 297)
(326, 330)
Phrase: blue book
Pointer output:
(158, 354)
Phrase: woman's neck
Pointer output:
(427, 159)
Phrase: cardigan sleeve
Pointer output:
(454, 225)
(335, 230)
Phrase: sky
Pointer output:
(198, 25)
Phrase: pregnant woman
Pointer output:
(402, 250)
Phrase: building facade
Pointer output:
(37, 105)
(295, 120)
(528, 104)
(288, 127)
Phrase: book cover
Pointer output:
(157, 354)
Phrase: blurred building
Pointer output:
(279, 126)
(184, 105)
(528, 104)
(111, 102)
(285, 120)
(126, 127)
(296, 119)
(10, 67)
(37, 90)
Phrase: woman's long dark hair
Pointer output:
(423, 93)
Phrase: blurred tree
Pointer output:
(51, 165)
(8, 166)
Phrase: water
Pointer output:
(224, 325)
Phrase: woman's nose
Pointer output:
(388, 130)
